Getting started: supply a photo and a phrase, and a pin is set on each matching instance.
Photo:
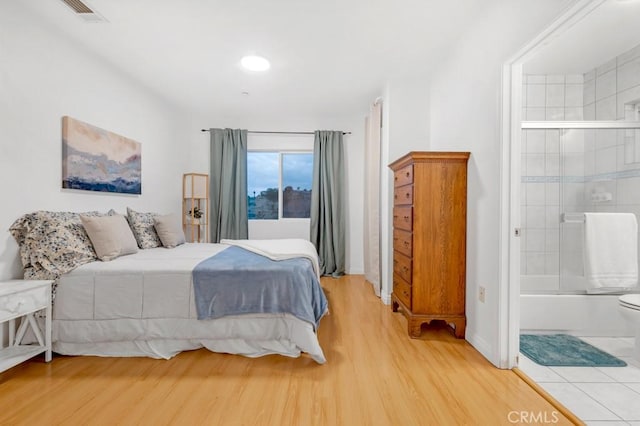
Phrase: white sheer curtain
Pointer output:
(372, 196)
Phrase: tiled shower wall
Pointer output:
(551, 98)
(593, 170)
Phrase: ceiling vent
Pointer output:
(83, 11)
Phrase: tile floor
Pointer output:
(597, 395)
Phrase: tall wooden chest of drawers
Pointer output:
(429, 238)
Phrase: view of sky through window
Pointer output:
(263, 184)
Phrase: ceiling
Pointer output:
(609, 30)
(328, 58)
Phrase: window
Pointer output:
(279, 184)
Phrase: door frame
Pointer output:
(511, 119)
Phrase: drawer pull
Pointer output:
(408, 174)
(406, 217)
(405, 269)
(407, 195)
(406, 243)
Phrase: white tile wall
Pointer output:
(589, 112)
(586, 157)
(606, 160)
(606, 85)
(535, 114)
(629, 55)
(573, 141)
(606, 67)
(536, 194)
(574, 164)
(535, 239)
(552, 221)
(554, 114)
(552, 194)
(535, 142)
(555, 95)
(589, 96)
(552, 164)
(551, 97)
(606, 108)
(631, 95)
(535, 164)
(552, 140)
(535, 95)
(628, 75)
(573, 95)
(536, 79)
(629, 191)
(573, 114)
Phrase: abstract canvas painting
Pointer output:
(94, 159)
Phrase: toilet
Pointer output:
(629, 307)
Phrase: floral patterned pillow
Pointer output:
(52, 243)
(142, 225)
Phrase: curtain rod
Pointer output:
(279, 133)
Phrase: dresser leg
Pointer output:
(459, 328)
(394, 306)
(415, 329)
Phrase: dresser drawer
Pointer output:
(402, 218)
(403, 195)
(404, 176)
(402, 290)
(402, 266)
(402, 242)
(23, 302)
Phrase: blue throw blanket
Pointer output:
(237, 281)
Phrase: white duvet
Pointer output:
(142, 305)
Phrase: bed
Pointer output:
(145, 304)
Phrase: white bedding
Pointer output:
(142, 305)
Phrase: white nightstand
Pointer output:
(21, 299)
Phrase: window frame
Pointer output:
(280, 153)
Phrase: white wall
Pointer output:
(405, 128)
(44, 76)
(354, 164)
(465, 115)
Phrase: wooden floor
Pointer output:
(374, 375)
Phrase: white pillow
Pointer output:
(111, 236)
(169, 230)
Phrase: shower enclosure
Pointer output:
(569, 168)
(580, 152)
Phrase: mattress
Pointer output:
(143, 305)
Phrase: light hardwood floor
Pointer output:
(374, 375)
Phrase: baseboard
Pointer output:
(386, 298)
(481, 346)
(355, 271)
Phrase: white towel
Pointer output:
(610, 251)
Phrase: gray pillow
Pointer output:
(169, 230)
(110, 235)
(143, 229)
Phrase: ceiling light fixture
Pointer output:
(255, 63)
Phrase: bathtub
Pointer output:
(575, 314)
